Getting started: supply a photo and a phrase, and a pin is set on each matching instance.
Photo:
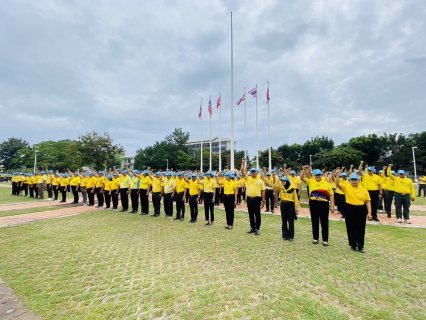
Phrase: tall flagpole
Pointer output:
(201, 162)
(220, 134)
(257, 135)
(232, 99)
(269, 133)
(210, 106)
(245, 125)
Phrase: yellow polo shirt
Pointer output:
(49, 179)
(157, 185)
(42, 179)
(229, 187)
(91, 182)
(145, 182)
(254, 187)
(402, 185)
(180, 185)
(169, 186)
(125, 182)
(209, 185)
(370, 182)
(75, 181)
(64, 182)
(356, 196)
(289, 195)
(343, 183)
(115, 183)
(100, 181)
(319, 191)
(56, 181)
(134, 183)
(194, 187)
(108, 184)
(83, 182)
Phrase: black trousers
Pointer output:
(208, 206)
(25, 188)
(114, 196)
(355, 219)
(388, 202)
(270, 199)
(187, 196)
(193, 205)
(35, 188)
(107, 199)
(135, 199)
(64, 193)
(55, 192)
(422, 187)
(168, 204)
(91, 196)
(30, 187)
(340, 202)
(239, 195)
(228, 202)
(156, 202)
(216, 196)
(180, 205)
(144, 201)
(124, 198)
(319, 213)
(374, 195)
(287, 219)
(200, 200)
(49, 191)
(100, 197)
(253, 206)
(14, 188)
(75, 193)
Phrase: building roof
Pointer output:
(207, 140)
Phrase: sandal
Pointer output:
(325, 244)
(315, 242)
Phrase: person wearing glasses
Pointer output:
(358, 206)
(320, 195)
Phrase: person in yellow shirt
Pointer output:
(194, 194)
(371, 182)
(358, 208)
(179, 197)
(289, 207)
(390, 190)
(116, 181)
(90, 186)
(269, 192)
(55, 186)
(144, 187)
(169, 190)
(25, 184)
(99, 190)
(404, 194)
(209, 188)
(255, 193)
(134, 190)
(34, 182)
(83, 186)
(49, 186)
(157, 191)
(63, 186)
(296, 183)
(230, 192)
(321, 195)
(124, 190)
(240, 182)
(422, 186)
(339, 195)
(107, 191)
(75, 182)
(41, 184)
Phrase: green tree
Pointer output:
(9, 149)
(97, 150)
(372, 146)
(338, 157)
(276, 159)
(314, 146)
(291, 154)
(184, 161)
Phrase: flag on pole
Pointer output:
(243, 98)
(201, 111)
(210, 107)
(219, 102)
(253, 92)
(267, 95)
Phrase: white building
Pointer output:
(194, 145)
(129, 160)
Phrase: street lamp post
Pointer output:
(414, 161)
(35, 159)
(310, 159)
(167, 164)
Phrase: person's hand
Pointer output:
(305, 167)
(390, 165)
(147, 194)
(369, 216)
(128, 192)
(413, 199)
(384, 168)
(362, 162)
(101, 192)
(243, 160)
(138, 193)
(380, 196)
(109, 193)
(93, 191)
(262, 204)
(235, 202)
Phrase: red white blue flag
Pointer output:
(201, 111)
(267, 95)
(210, 107)
(253, 92)
(219, 102)
(243, 98)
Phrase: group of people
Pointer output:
(357, 194)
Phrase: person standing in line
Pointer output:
(107, 190)
(63, 186)
(123, 190)
(55, 186)
(371, 182)
(404, 194)
(169, 190)
(116, 181)
(289, 207)
(358, 208)
(144, 187)
(134, 190)
(35, 179)
(91, 184)
(382, 201)
(209, 188)
(230, 193)
(194, 194)
(339, 194)
(422, 186)
(157, 192)
(321, 195)
(255, 195)
(25, 184)
(180, 195)
(75, 182)
(41, 184)
(269, 191)
(83, 186)
(99, 190)
(390, 190)
(49, 181)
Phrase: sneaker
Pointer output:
(399, 220)
(381, 211)
(83, 204)
(407, 221)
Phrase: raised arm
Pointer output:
(360, 173)
(243, 167)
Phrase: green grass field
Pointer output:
(6, 198)
(110, 265)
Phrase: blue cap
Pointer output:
(393, 172)
(145, 172)
(124, 171)
(90, 173)
(50, 171)
(168, 174)
(268, 174)
(100, 172)
(285, 179)
(41, 172)
(114, 174)
(136, 171)
(371, 169)
(254, 170)
(108, 176)
(316, 171)
(209, 173)
(76, 173)
(343, 174)
(180, 173)
(353, 176)
(401, 171)
(273, 171)
(292, 172)
(194, 175)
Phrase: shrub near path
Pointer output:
(110, 265)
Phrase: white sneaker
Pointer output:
(407, 221)
(381, 211)
(83, 204)
(399, 220)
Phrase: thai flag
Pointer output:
(243, 98)
(201, 111)
(267, 95)
(219, 102)
(253, 92)
(210, 107)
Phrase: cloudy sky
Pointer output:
(137, 69)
